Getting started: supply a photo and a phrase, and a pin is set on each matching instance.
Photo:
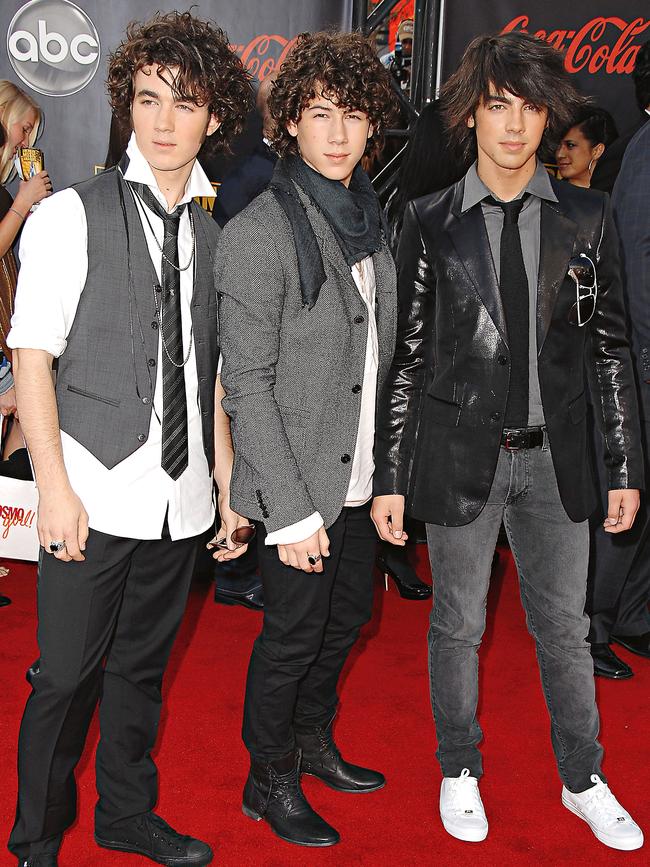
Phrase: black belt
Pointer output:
(523, 438)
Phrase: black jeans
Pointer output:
(311, 622)
(551, 554)
(124, 603)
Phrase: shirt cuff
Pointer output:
(19, 339)
(297, 532)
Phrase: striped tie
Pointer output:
(174, 414)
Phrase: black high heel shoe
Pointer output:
(396, 565)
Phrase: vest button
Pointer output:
(356, 389)
(146, 400)
(502, 359)
(141, 438)
(154, 325)
(495, 416)
(152, 362)
(358, 320)
(345, 459)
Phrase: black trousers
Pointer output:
(618, 590)
(311, 621)
(124, 605)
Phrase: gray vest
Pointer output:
(107, 374)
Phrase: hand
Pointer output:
(297, 554)
(230, 520)
(387, 515)
(8, 402)
(62, 518)
(32, 191)
(622, 506)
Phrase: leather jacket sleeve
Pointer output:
(615, 397)
(399, 405)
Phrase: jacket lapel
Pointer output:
(557, 237)
(469, 236)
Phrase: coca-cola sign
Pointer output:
(264, 54)
(602, 44)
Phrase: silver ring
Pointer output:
(55, 547)
(312, 559)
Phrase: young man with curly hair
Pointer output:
(505, 279)
(116, 282)
(307, 308)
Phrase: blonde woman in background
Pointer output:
(20, 121)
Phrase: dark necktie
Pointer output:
(174, 414)
(513, 283)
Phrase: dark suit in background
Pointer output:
(620, 568)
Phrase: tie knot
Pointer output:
(511, 210)
(171, 220)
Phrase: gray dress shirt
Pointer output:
(539, 187)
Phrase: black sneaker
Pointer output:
(151, 836)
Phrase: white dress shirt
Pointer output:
(131, 499)
(363, 463)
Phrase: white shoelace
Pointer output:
(466, 800)
(602, 806)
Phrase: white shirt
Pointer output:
(363, 463)
(131, 499)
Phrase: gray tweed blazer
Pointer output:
(289, 372)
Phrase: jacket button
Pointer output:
(152, 362)
(345, 459)
(495, 416)
(502, 359)
(158, 287)
(358, 320)
(154, 325)
(356, 389)
(146, 400)
(141, 438)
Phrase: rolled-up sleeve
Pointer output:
(53, 269)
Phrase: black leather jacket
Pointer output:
(440, 416)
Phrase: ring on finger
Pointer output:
(312, 559)
(55, 547)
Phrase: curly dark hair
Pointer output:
(342, 67)
(209, 72)
(520, 63)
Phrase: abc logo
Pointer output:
(53, 47)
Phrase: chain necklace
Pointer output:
(144, 209)
(159, 317)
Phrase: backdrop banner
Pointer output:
(57, 51)
(599, 39)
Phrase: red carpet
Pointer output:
(384, 720)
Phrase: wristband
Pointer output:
(17, 212)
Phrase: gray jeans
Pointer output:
(551, 553)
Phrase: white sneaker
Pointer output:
(461, 808)
(611, 824)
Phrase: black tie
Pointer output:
(513, 283)
(174, 414)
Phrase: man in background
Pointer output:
(619, 589)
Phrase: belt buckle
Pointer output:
(509, 444)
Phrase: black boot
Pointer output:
(273, 792)
(321, 758)
(151, 836)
